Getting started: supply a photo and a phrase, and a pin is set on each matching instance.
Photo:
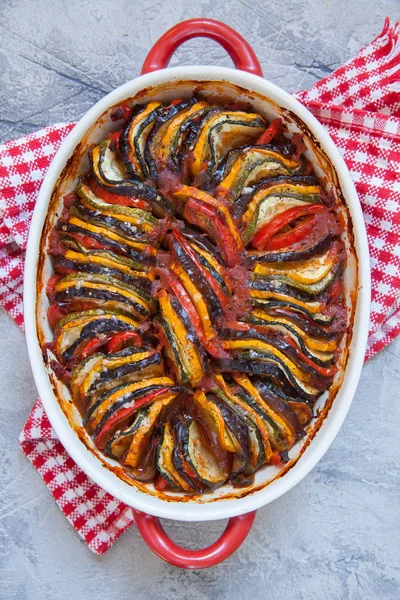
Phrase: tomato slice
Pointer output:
(51, 283)
(54, 314)
(274, 128)
(122, 339)
(117, 199)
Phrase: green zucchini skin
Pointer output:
(134, 257)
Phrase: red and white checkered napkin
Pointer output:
(359, 104)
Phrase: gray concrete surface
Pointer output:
(336, 535)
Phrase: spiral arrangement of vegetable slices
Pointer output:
(197, 303)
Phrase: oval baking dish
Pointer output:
(214, 85)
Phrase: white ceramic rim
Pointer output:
(223, 508)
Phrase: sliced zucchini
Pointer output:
(282, 434)
(164, 460)
(110, 370)
(182, 352)
(270, 199)
(221, 131)
(133, 139)
(77, 327)
(106, 164)
(201, 457)
(105, 291)
(141, 435)
(212, 413)
(247, 166)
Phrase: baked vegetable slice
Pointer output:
(201, 457)
(78, 327)
(198, 304)
(182, 352)
(220, 131)
(246, 166)
(105, 291)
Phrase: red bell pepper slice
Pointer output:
(122, 339)
(88, 241)
(213, 283)
(124, 413)
(91, 346)
(274, 128)
(335, 290)
(324, 371)
(117, 199)
(297, 234)
(172, 281)
(195, 211)
(264, 234)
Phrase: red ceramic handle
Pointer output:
(240, 51)
(155, 537)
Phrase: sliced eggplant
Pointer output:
(82, 326)
(272, 198)
(221, 131)
(165, 463)
(173, 133)
(253, 349)
(133, 140)
(106, 371)
(181, 351)
(106, 292)
(247, 166)
(107, 165)
(104, 263)
(282, 429)
(318, 350)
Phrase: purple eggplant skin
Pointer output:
(161, 205)
(219, 171)
(315, 249)
(306, 325)
(198, 237)
(271, 304)
(272, 285)
(82, 292)
(64, 263)
(239, 429)
(125, 400)
(191, 333)
(178, 454)
(197, 277)
(242, 203)
(95, 328)
(280, 407)
(127, 229)
(118, 372)
(235, 365)
(107, 243)
(162, 115)
(257, 365)
(260, 357)
(280, 344)
(124, 146)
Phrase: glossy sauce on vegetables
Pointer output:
(197, 325)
